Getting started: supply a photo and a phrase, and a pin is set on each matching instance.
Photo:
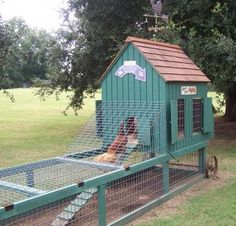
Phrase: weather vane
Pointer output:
(157, 9)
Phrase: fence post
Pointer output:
(102, 205)
(165, 177)
(202, 160)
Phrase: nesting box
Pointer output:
(147, 71)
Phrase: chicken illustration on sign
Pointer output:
(130, 67)
(188, 90)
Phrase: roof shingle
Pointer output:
(169, 60)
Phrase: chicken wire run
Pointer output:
(131, 155)
(122, 196)
(121, 128)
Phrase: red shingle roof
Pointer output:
(169, 60)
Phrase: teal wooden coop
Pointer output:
(145, 143)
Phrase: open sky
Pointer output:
(37, 13)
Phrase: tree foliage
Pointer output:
(4, 46)
(206, 30)
(24, 53)
(93, 32)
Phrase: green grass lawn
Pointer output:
(32, 129)
(216, 208)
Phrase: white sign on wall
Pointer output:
(131, 67)
(188, 90)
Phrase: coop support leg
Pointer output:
(202, 160)
(102, 205)
(165, 179)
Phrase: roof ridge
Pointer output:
(135, 39)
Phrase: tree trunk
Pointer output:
(230, 111)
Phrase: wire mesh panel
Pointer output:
(129, 193)
(183, 168)
(118, 134)
(54, 214)
(8, 196)
(19, 183)
(121, 128)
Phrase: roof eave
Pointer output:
(112, 63)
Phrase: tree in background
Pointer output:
(94, 31)
(92, 34)
(206, 30)
(4, 46)
(24, 53)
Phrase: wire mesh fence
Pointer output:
(117, 136)
(123, 196)
(132, 192)
(183, 168)
(21, 182)
(120, 128)
(121, 133)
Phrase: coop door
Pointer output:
(144, 131)
(208, 117)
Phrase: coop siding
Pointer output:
(137, 85)
(149, 83)
(119, 82)
(128, 88)
(114, 85)
(173, 92)
(131, 77)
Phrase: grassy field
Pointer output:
(32, 130)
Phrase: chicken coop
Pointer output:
(145, 143)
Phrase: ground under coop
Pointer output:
(122, 196)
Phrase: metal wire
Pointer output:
(183, 168)
(137, 120)
(127, 194)
(118, 134)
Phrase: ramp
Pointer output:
(83, 198)
(69, 212)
